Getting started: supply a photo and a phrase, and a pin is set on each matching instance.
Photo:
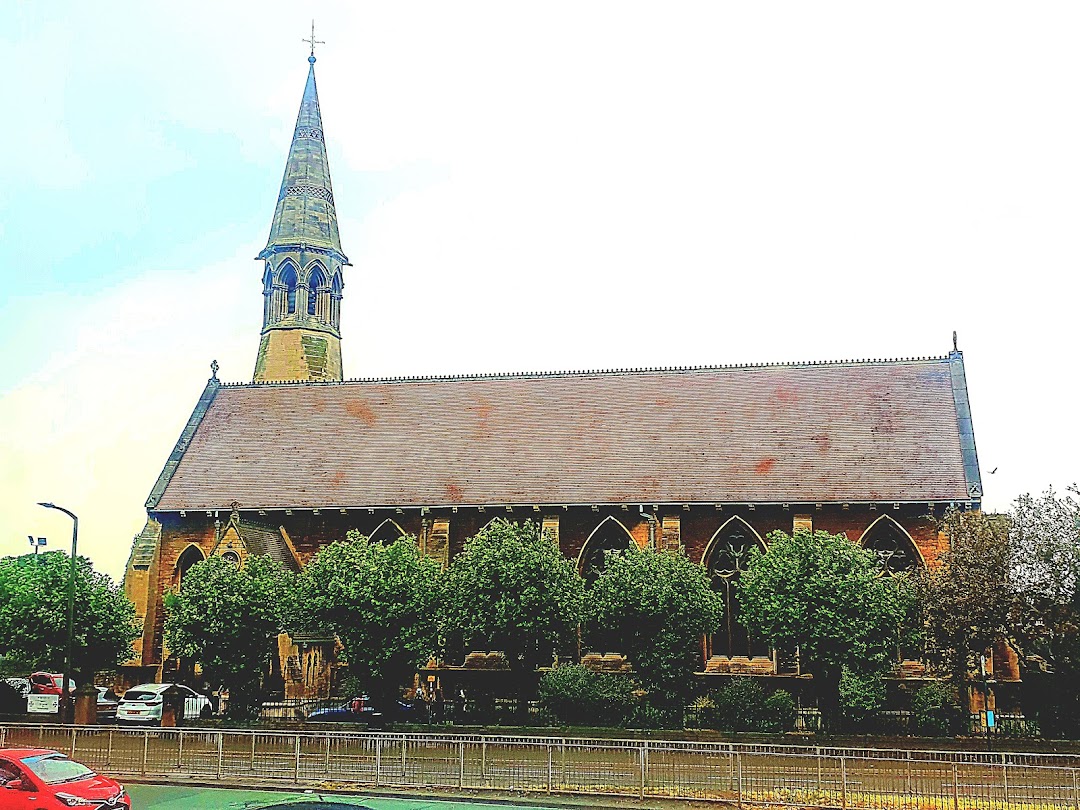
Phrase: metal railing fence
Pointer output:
(740, 773)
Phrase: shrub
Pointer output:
(742, 705)
(779, 712)
(575, 695)
(739, 705)
(862, 694)
(935, 711)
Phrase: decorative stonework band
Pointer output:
(305, 190)
(314, 133)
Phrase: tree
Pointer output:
(380, 601)
(969, 600)
(656, 606)
(826, 595)
(1045, 566)
(227, 618)
(34, 610)
(512, 589)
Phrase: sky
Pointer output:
(529, 186)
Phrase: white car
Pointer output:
(143, 703)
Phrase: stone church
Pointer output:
(701, 461)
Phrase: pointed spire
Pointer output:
(305, 207)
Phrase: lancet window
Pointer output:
(187, 558)
(335, 301)
(386, 532)
(725, 560)
(316, 294)
(268, 295)
(609, 537)
(288, 281)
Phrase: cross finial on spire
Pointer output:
(214, 369)
(954, 346)
(313, 42)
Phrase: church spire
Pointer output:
(302, 281)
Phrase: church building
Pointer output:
(702, 461)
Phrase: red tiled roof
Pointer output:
(859, 431)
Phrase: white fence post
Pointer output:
(220, 754)
(180, 750)
(955, 788)
(643, 762)
(551, 766)
(378, 760)
(108, 752)
(296, 760)
(461, 764)
(738, 765)
(843, 782)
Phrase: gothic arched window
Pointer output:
(609, 537)
(386, 532)
(725, 560)
(335, 300)
(288, 280)
(188, 558)
(316, 285)
(892, 545)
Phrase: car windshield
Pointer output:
(55, 769)
(134, 694)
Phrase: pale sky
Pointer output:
(557, 185)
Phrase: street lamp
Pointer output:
(66, 688)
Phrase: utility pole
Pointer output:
(66, 689)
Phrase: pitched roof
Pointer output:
(305, 212)
(849, 431)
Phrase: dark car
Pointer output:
(363, 710)
(33, 778)
(107, 701)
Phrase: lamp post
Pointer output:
(66, 688)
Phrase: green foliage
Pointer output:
(512, 589)
(934, 710)
(655, 606)
(779, 712)
(826, 595)
(862, 696)
(380, 600)
(575, 695)
(227, 619)
(33, 615)
(742, 705)
(969, 599)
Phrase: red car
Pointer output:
(38, 779)
(49, 683)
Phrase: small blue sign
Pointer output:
(989, 719)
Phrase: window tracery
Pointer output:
(728, 556)
(609, 537)
(893, 547)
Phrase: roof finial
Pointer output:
(954, 341)
(313, 42)
(214, 369)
